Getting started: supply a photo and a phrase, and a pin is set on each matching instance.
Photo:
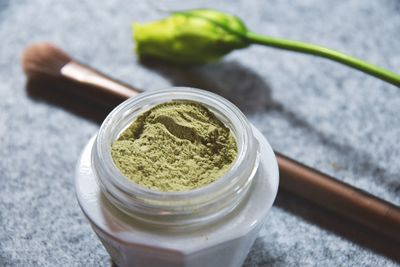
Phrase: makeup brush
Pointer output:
(46, 62)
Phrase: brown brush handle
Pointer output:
(339, 197)
(90, 83)
(297, 178)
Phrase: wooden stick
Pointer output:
(337, 196)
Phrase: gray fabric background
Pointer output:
(323, 114)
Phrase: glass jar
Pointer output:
(214, 225)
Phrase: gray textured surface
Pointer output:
(327, 116)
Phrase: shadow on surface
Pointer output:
(313, 214)
(222, 78)
(338, 225)
(228, 79)
(58, 95)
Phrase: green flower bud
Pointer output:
(195, 36)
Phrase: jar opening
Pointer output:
(175, 208)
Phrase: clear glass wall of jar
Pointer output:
(176, 209)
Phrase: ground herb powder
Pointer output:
(175, 146)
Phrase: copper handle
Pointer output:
(342, 198)
(90, 83)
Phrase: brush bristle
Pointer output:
(43, 59)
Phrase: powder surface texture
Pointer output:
(175, 146)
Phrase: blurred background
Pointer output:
(320, 113)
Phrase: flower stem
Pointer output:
(316, 50)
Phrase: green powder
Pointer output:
(175, 146)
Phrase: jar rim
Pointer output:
(234, 180)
